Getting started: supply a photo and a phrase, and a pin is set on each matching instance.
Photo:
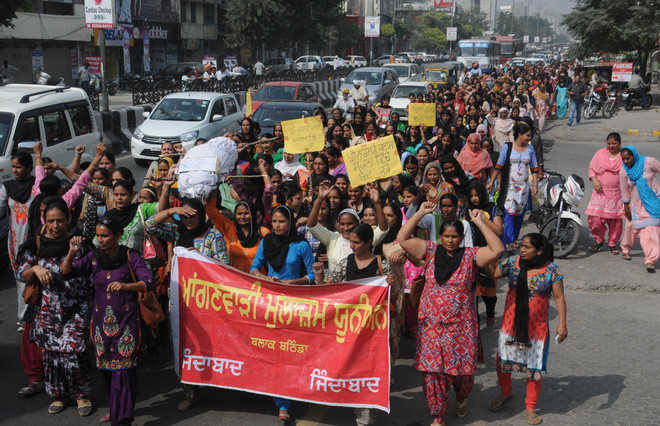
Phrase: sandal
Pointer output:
(614, 250)
(105, 419)
(462, 408)
(650, 269)
(84, 407)
(56, 407)
(284, 416)
(533, 418)
(499, 402)
(626, 256)
(596, 247)
(31, 389)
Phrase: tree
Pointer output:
(8, 12)
(616, 26)
(387, 30)
(433, 39)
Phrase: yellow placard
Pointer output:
(303, 135)
(248, 102)
(378, 159)
(423, 113)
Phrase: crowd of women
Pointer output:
(438, 232)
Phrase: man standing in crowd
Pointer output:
(576, 92)
(83, 77)
(259, 68)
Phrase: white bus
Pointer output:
(487, 53)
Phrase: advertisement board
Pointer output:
(622, 71)
(372, 26)
(100, 13)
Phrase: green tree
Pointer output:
(387, 30)
(8, 11)
(616, 26)
(432, 39)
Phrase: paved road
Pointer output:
(605, 373)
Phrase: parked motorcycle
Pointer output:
(596, 101)
(633, 98)
(556, 215)
(611, 106)
(46, 79)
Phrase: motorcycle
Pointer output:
(46, 79)
(633, 98)
(556, 214)
(611, 106)
(595, 101)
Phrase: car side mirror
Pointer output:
(145, 114)
(216, 117)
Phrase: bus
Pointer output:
(510, 47)
(487, 53)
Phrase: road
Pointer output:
(605, 373)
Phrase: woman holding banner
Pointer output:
(447, 339)
(284, 253)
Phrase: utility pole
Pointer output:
(453, 14)
(105, 102)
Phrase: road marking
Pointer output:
(633, 132)
(656, 133)
(316, 413)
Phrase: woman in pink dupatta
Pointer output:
(605, 209)
(474, 159)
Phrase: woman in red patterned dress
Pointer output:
(524, 338)
(447, 340)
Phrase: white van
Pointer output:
(60, 117)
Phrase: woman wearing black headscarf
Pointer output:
(284, 253)
(524, 340)
(447, 338)
(453, 173)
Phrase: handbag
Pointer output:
(150, 310)
(151, 248)
(32, 290)
(416, 289)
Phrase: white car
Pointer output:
(404, 71)
(309, 63)
(60, 117)
(185, 117)
(400, 97)
(356, 61)
(329, 61)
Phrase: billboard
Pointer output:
(372, 26)
(99, 13)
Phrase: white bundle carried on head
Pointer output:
(200, 168)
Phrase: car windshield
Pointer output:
(268, 116)
(181, 110)
(5, 128)
(270, 93)
(405, 91)
(372, 78)
(436, 75)
(400, 71)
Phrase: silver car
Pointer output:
(378, 81)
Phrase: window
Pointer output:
(81, 120)
(218, 108)
(193, 12)
(209, 13)
(56, 127)
(27, 130)
(6, 120)
(184, 11)
(230, 106)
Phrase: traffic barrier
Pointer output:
(118, 126)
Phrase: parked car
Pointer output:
(278, 65)
(309, 63)
(273, 113)
(518, 62)
(400, 97)
(284, 91)
(185, 117)
(60, 117)
(404, 71)
(378, 81)
(329, 61)
(381, 60)
(357, 61)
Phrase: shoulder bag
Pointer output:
(150, 310)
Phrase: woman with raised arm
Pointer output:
(118, 275)
(447, 339)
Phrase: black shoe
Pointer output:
(30, 390)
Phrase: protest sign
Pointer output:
(422, 113)
(303, 135)
(234, 330)
(371, 161)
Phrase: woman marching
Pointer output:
(60, 324)
(605, 209)
(524, 338)
(641, 200)
(118, 275)
(447, 340)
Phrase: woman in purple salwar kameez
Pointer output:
(115, 325)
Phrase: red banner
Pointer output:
(324, 344)
(442, 3)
